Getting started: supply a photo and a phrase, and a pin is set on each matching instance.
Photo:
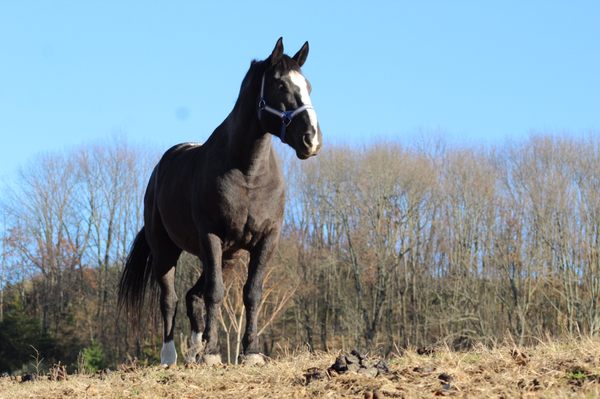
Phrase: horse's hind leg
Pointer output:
(164, 270)
(195, 312)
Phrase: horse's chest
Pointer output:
(247, 214)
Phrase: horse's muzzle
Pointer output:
(311, 144)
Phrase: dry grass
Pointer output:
(549, 370)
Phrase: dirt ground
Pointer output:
(548, 370)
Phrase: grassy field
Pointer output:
(548, 370)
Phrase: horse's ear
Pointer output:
(300, 56)
(277, 53)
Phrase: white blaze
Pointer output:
(300, 82)
(168, 354)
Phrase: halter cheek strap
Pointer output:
(286, 116)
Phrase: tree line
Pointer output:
(383, 246)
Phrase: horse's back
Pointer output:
(181, 152)
(168, 200)
(177, 163)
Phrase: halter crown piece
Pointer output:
(286, 116)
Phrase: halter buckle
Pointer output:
(287, 117)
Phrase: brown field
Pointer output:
(549, 370)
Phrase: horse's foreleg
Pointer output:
(195, 312)
(259, 257)
(213, 296)
(168, 308)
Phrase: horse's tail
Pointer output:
(136, 275)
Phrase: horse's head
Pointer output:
(284, 105)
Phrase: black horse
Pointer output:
(219, 198)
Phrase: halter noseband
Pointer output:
(286, 116)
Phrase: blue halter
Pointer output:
(286, 116)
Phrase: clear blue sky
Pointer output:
(162, 72)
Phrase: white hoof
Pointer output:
(168, 354)
(211, 360)
(254, 359)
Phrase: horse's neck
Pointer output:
(246, 146)
(249, 148)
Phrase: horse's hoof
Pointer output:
(191, 365)
(253, 359)
(189, 359)
(193, 354)
(211, 360)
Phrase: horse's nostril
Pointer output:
(307, 140)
